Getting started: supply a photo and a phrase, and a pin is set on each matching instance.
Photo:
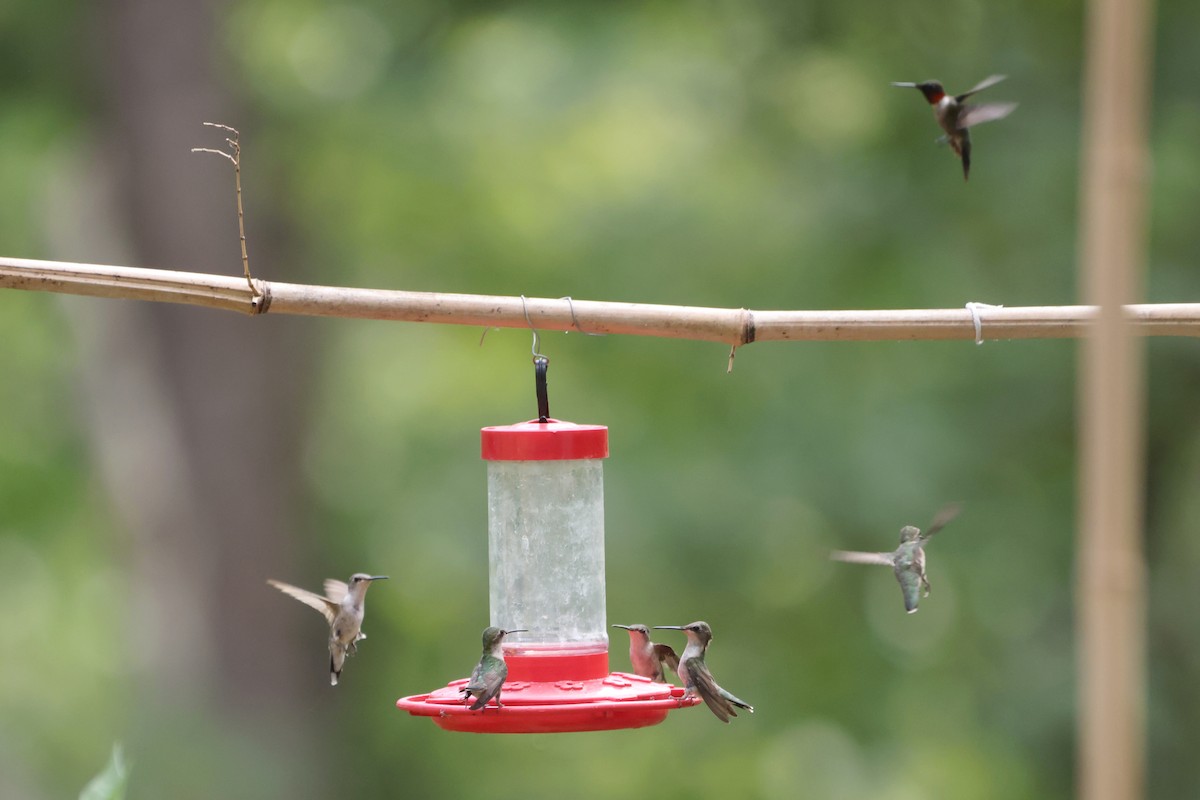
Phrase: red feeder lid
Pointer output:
(553, 440)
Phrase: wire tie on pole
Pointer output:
(975, 308)
(537, 338)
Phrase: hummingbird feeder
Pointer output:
(546, 573)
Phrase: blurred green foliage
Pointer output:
(712, 153)
(111, 782)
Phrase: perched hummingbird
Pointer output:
(649, 660)
(343, 607)
(695, 675)
(955, 116)
(488, 677)
(908, 560)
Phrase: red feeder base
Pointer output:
(590, 701)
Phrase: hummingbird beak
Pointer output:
(517, 630)
(904, 84)
(668, 627)
(378, 578)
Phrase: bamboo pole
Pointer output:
(1111, 581)
(732, 326)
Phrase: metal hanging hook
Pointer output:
(537, 337)
(541, 365)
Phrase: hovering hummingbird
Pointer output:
(488, 677)
(908, 560)
(695, 675)
(955, 116)
(649, 660)
(343, 607)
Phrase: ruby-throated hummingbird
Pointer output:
(488, 677)
(955, 116)
(343, 605)
(695, 675)
(649, 660)
(908, 560)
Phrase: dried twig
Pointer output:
(236, 159)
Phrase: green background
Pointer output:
(157, 464)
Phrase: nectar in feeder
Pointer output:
(546, 538)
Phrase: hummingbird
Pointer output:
(343, 606)
(908, 560)
(695, 675)
(955, 116)
(488, 677)
(649, 660)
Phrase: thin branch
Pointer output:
(235, 158)
(732, 326)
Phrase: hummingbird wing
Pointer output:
(666, 655)
(991, 80)
(336, 590)
(311, 599)
(975, 115)
(485, 681)
(940, 520)
(719, 701)
(475, 684)
(852, 557)
(702, 680)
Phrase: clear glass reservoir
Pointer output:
(546, 536)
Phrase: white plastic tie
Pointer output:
(975, 308)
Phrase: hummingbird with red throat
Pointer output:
(649, 659)
(955, 116)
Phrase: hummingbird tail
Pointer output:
(736, 701)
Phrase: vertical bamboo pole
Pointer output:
(1110, 592)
